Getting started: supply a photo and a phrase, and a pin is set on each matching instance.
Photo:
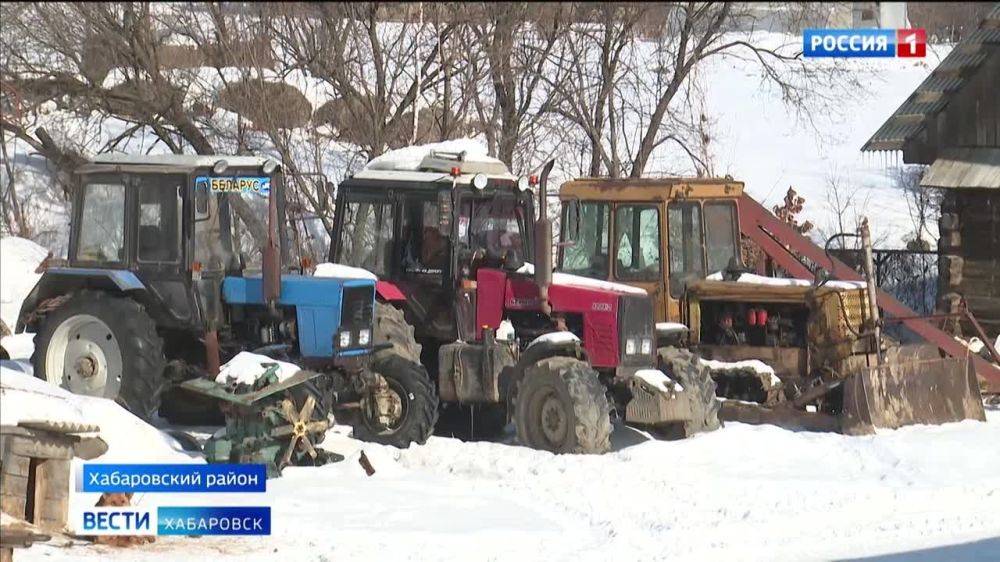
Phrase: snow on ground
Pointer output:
(744, 492)
(17, 276)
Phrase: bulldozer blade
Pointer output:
(914, 385)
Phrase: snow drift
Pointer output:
(19, 258)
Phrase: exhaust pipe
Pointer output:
(271, 255)
(872, 290)
(543, 241)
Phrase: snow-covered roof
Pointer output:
(424, 177)
(181, 160)
(432, 162)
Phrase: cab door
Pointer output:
(157, 205)
(638, 229)
(702, 238)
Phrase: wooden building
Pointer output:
(951, 123)
(35, 461)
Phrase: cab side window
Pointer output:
(366, 236)
(686, 245)
(102, 223)
(425, 249)
(637, 232)
(160, 209)
(588, 256)
(720, 235)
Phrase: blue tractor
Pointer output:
(177, 263)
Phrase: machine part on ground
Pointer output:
(269, 422)
(100, 345)
(561, 407)
(683, 367)
(401, 407)
(823, 339)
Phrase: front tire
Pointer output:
(409, 382)
(561, 407)
(101, 345)
(684, 368)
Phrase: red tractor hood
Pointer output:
(596, 302)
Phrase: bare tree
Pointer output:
(630, 96)
(924, 205)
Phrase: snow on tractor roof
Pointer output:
(434, 162)
(181, 160)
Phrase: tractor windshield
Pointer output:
(495, 224)
(231, 222)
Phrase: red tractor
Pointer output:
(452, 243)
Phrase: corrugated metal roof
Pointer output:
(934, 93)
(965, 168)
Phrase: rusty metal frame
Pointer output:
(781, 243)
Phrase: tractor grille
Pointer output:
(635, 322)
(356, 308)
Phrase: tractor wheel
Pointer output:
(684, 368)
(391, 327)
(321, 411)
(561, 406)
(101, 345)
(409, 384)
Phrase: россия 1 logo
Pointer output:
(867, 43)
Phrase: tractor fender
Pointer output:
(62, 281)
(389, 292)
(540, 348)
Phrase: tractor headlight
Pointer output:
(344, 339)
(364, 337)
(630, 346)
(647, 346)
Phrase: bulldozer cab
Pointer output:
(658, 234)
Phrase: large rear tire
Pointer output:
(391, 327)
(411, 385)
(561, 407)
(684, 368)
(102, 345)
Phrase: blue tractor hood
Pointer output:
(324, 306)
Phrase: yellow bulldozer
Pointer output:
(809, 350)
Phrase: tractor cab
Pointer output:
(176, 225)
(658, 234)
(426, 230)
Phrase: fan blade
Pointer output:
(308, 446)
(288, 410)
(307, 409)
(317, 426)
(287, 457)
(282, 431)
